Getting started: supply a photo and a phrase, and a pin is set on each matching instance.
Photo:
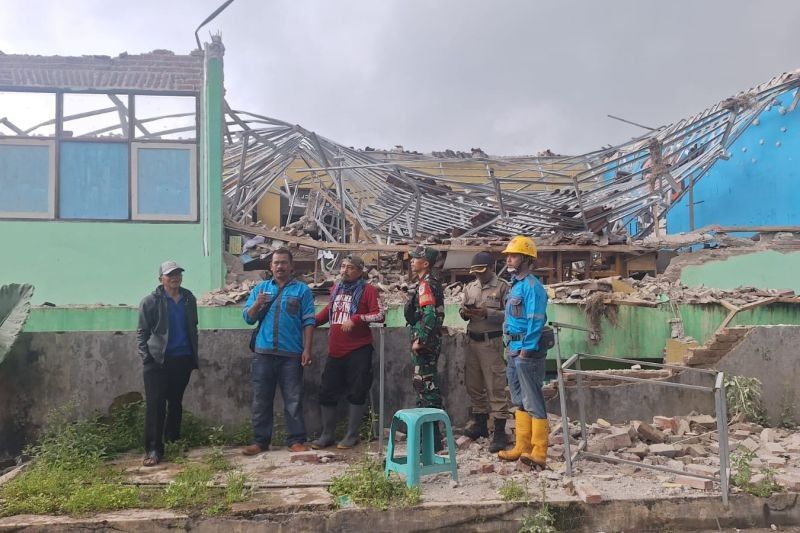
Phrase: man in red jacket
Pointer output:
(348, 370)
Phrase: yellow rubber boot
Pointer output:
(523, 433)
(540, 433)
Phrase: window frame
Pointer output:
(55, 142)
(51, 178)
(134, 182)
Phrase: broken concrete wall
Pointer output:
(48, 370)
(765, 269)
(770, 354)
(639, 401)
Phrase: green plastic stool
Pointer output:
(421, 460)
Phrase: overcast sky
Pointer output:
(511, 77)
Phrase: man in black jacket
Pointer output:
(167, 344)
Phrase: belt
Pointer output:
(518, 337)
(484, 336)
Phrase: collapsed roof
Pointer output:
(601, 191)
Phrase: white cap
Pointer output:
(167, 267)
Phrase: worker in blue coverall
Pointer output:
(526, 350)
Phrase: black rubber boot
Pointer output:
(476, 427)
(499, 439)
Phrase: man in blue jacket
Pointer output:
(526, 316)
(284, 308)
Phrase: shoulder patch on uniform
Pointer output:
(426, 296)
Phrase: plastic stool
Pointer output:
(421, 460)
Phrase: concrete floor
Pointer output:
(292, 496)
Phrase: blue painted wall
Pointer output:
(759, 185)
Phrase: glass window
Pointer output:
(93, 181)
(27, 114)
(166, 117)
(27, 179)
(164, 182)
(96, 115)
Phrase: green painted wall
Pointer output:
(641, 332)
(767, 270)
(99, 262)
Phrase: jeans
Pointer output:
(163, 392)
(267, 372)
(525, 379)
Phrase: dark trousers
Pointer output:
(267, 373)
(350, 375)
(163, 392)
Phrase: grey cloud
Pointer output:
(512, 77)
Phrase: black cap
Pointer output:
(481, 262)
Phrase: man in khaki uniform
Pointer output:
(485, 371)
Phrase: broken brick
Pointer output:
(666, 450)
(611, 442)
(695, 450)
(463, 442)
(774, 448)
(788, 481)
(664, 422)
(487, 468)
(749, 444)
(648, 433)
(702, 469)
(588, 493)
(309, 457)
(706, 421)
(695, 482)
(740, 434)
(639, 450)
(767, 435)
(603, 423)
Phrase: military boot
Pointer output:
(499, 439)
(477, 426)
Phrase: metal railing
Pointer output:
(717, 389)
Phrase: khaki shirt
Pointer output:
(492, 297)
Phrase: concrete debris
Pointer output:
(650, 291)
(588, 493)
(231, 293)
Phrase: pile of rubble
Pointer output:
(231, 293)
(652, 291)
(688, 444)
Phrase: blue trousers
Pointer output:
(267, 372)
(525, 379)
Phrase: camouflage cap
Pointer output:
(425, 252)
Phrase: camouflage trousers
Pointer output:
(426, 378)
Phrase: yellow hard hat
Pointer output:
(521, 245)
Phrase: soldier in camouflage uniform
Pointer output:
(425, 313)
